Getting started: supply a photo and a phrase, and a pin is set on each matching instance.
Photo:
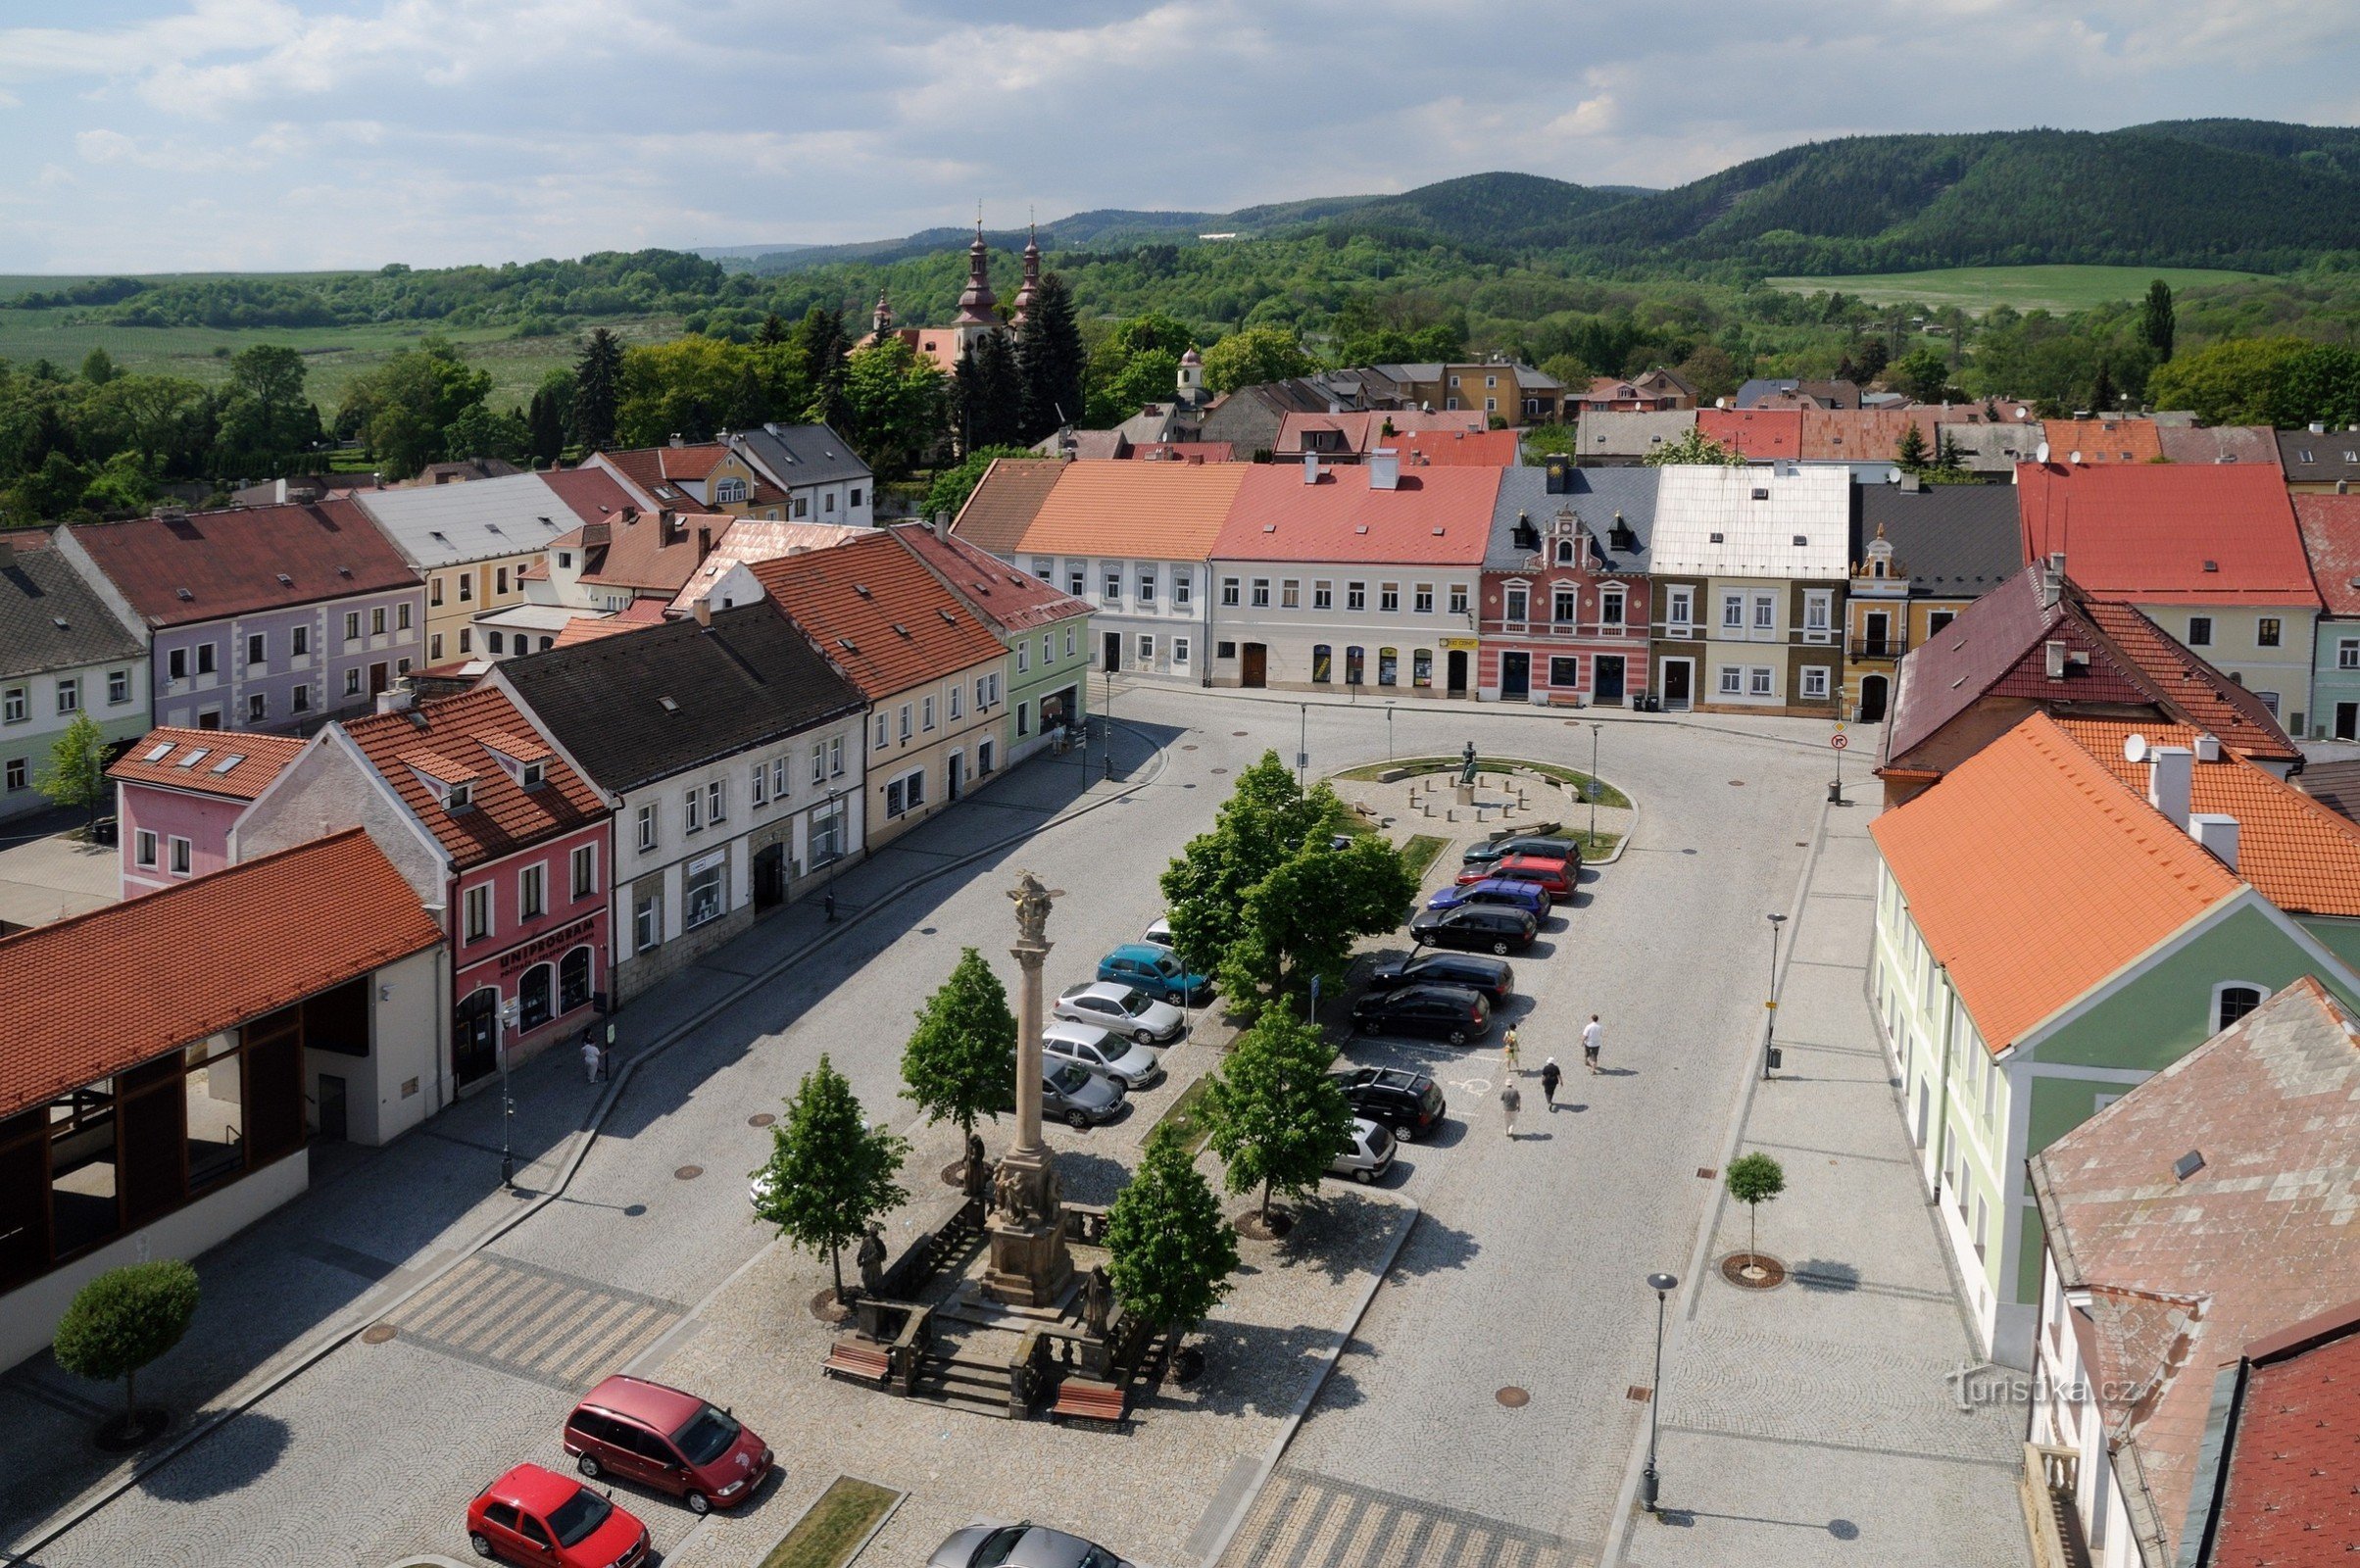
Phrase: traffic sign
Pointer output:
(1840, 742)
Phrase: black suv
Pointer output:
(1494, 978)
(1409, 1103)
(1494, 851)
(1494, 927)
(1446, 1012)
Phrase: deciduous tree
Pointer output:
(1754, 1180)
(892, 407)
(124, 1319)
(1265, 821)
(1272, 1113)
(960, 1062)
(830, 1174)
(1169, 1252)
(74, 776)
(1694, 448)
(1301, 920)
(1257, 355)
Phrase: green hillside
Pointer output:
(1979, 290)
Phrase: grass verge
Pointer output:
(1411, 765)
(1182, 1113)
(1420, 852)
(824, 1538)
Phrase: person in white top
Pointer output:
(1591, 1036)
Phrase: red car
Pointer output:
(532, 1515)
(668, 1440)
(1554, 876)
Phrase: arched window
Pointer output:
(573, 980)
(1322, 656)
(533, 998)
(2232, 1000)
(1564, 552)
(1421, 667)
(1388, 667)
(1356, 667)
(491, 640)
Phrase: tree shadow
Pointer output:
(1091, 1178)
(1258, 1369)
(1825, 1274)
(230, 1459)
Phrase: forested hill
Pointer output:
(2231, 193)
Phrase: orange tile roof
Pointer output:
(103, 992)
(258, 758)
(1753, 432)
(2034, 874)
(2191, 685)
(878, 615)
(1005, 501)
(1437, 517)
(1147, 511)
(641, 552)
(2106, 441)
(998, 593)
(1855, 435)
(2300, 856)
(1456, 449)
(457, 733)
(2187, 533)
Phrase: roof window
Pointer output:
(458, 797)
(1801, 540)
(1762, 493)
(285, 581)
(1715, 538)
(898, 627)
(2187, 1165)
(846, 643)
(229, 763)
(156, 754)
(949, 620)
(194, 756)
(862, 590)
(2212, 565)
(183, 595)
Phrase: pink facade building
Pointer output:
(179, 795)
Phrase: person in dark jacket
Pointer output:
(1548, 1083)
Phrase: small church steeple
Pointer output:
(1030, 289)
(881, 319)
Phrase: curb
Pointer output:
(241, 1398)
(1626, 1496)
(1302, 1405)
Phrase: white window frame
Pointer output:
(692, 810)
(1733, 611)
(1231, 589)
(1179, 652)
(1761, 681)
(650, 832)
(1765, 612)
(1146, 585)
(1184, 593)
(1815, 681)
(1680, 607)
(143, 849)
(1146, 648)
(1389, 598)
(1261, 593)
(1421, 599)
(1818, 615)
(759, 787)
(1458, 598)
(1732, 680)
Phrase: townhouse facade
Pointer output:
(1046, 634)
(934, 676)
(1357, 576)
(1564, 604)
(1132, 539)
(728, 751)
(179, 795)
(64, 651)
(503, 839)
(2025, 981)
(258, 617)
(2212, 553)
(1924, 553)
(1748, 573)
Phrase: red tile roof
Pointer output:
(1753, 432)
(2033, 876)
(1182, 452)
(2186, 533)
(1365, 430)
(1005, 501)
(230, 563)
(2300, 855)
(656, 470)
(1855, 435)
(2288, 1499)
(643, 552)
(2103, 442)
(457, 733)
(234, 765)
(2330, 537)
(878, 615)
(1437, 517)
(1456, 449)
(2184, 1272)
(2184, 682)
(588, 493)
(998, 593)
(103, 992)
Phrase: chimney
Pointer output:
(2054, 650)
(2052, 581)
(2171, 771)
(279, 492)
(701, 608)
(2319, 427)
(396, 698)
(631, 515)
(703, 542)
(1310, 468)
(2208, 747)
(668, 523)
(676, 441)
(1558, 473)
(1385, 469)
(942, 526)
(2218, 834)
(1910, 483)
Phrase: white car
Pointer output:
(1158, 932)
(1367, 1155)
(1121, 1008)
(1111, 1056)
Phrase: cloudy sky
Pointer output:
(202, 134)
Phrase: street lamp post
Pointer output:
(1770, 1002)
(1389, 732)
(1303, 742)
(1107, 718)
(1650, 1484)
(1595, 727)
(510, 1012)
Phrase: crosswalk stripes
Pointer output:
(533, 1322)
(1310, 1520)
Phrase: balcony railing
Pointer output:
(2047, 1485)
(1877, 647)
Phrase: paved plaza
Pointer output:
(1521, 1268)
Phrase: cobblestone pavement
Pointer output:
(1818, 1423)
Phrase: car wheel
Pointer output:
(698, 1503)
(1500, 947)
(1405, 1133)
(1363, 1175)
(1368, 1026)
(1143, 1037)
(587, 1464)
(483, 1544)
(1077, 1121)
(1459, 1037)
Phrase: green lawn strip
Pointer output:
(1419, 853)
(1182, 1113)
(1411, 765)
(825, 1535)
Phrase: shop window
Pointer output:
(701, 897)
(1564, 672)
(1321, 658)
(1388, 667)
(1421, 667)
(535, 998)
(573, 980)
(1355, 661)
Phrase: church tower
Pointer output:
(1192, 379)
(1030, 289)
(978, 305)
(881, 319)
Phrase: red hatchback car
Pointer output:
(668, 1440)
(531, 1515)
(1554, 876)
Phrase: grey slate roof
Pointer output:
(1612, 434)
(2319, 457)
(450, 524)
(38, 590)
(1596, 496)
(748, 679)
(795, 454)
(1955, 540)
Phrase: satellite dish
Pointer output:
(2076, 459)
(2041, 454)
(2134, 748)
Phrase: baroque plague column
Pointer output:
(1030, 1266)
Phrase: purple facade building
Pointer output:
(259, 617)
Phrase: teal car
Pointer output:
(1155, 971)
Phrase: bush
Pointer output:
(124, 1319)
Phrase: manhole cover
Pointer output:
(1514, 1397)
(1241, 732)
(377, 1332)
(1707, 1172)
(1639, 1394)
(760, 1118)
(688, 1173)
(1753, 1271)
(1189, 748)
(1219, 770)
(1737, 783)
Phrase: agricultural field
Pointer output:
(1976, 289)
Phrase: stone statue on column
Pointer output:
(1030, 1266)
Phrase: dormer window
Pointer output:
(535, 774)
(458, 797)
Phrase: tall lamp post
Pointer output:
(1595, 727)
(1662, 1284)
(510, 1012)
(1108, 718)
(1303, 742)
(1770, 1002)
(1389, 732)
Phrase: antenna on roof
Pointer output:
(2134, 748)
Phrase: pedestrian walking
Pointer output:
(590, 1057)
(1593, 1036)
(1548, 1083)
(1511, 1100)
(1507, 1053)
(828, 901)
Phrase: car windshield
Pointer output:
(1067, 1078)
(1136, 1003)
(578, 1516)
(707, 1437)
(1099, 1557)
(995, 1548)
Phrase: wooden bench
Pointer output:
(852, 1358)
(1083, 1399)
